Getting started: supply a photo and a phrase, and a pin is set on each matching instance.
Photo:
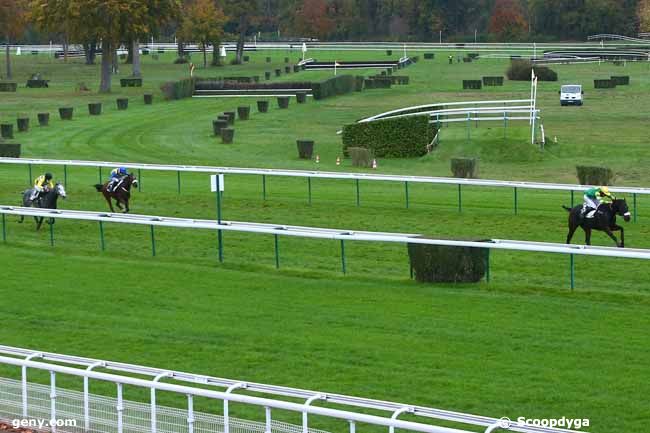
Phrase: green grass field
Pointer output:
(524, 344)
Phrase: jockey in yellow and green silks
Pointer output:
(43, 183)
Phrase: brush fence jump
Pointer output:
(267, 399)
(310, 232)
(309, 175)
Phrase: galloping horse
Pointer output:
(604, 219)
(46, 201)
(121, 192)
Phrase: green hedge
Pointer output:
(590, 175)
(448, 264)
(520, 70)
(398, 138)
(338, 85)
(9, 150)
(179, 89)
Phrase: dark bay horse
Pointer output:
(604, 220)
(47, 200)
(121, 192)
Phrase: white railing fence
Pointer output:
(516, 186)
(341, 236)
(20, 399)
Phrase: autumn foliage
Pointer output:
(507, 22)
(313, 19)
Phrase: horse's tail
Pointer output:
(99, 187)
(568, 209)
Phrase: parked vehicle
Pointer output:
(571, 94)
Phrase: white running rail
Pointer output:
(273, 397)
(323, 233)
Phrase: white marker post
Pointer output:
(217, 186)
(304, 51)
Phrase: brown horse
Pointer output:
(121, 192)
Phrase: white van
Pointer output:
(571, 94)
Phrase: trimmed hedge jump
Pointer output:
(472, 84)
(448, 264)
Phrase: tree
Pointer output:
(312, 19)
(643, 15)
(13, 18)
(203, 22)
(507, 21)
(243, 13)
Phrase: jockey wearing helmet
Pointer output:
(594, 197)
(117, 174)
(43, 183)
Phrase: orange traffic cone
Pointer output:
(338, 160)
(374, 164)
(317, 159)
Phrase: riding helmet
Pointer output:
(48, 176)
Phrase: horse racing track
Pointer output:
(300, 274)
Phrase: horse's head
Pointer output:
(133, 180)
(619, 206)
(60, 190)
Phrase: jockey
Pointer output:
(594, 197)
(43, 183)
(117, 174)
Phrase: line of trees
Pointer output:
(109, 24)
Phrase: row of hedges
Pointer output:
(334, 86)
(391, 138)
(179, 89)
(520, 70)
(230, 85)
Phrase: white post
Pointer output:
(24, 381)
(53, 401)
(231, 388)
(267, 412)
(153, 399)
(532, 84)
(532, 140)
(353, 427)
(190, 413)
(86, 405)
(119, 409)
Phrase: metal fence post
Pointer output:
(100, 174)
(406, 193)
(65, 176)
(309, 189)
(119, 408)
(358, 195)
(178, 181)
(153, 241)
(4, 228)
(353, 427)
(267, 416)
(29, 174)
(277, 252)
(102, 244)
(190, 413)
(343, 267)
(487, 265)
(86, 404)
(53, 400)
(572, 198)
(516, 201)
(139, 180)
(52, 233)
(635, 207)
(469, 126)
(263, 187)
(460, 198)
(572, 265)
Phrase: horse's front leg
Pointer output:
(619, 228)
(587, 236)
(126, 206)
(110, 203)
(22, 218)
(39, 222)
(611, 235)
